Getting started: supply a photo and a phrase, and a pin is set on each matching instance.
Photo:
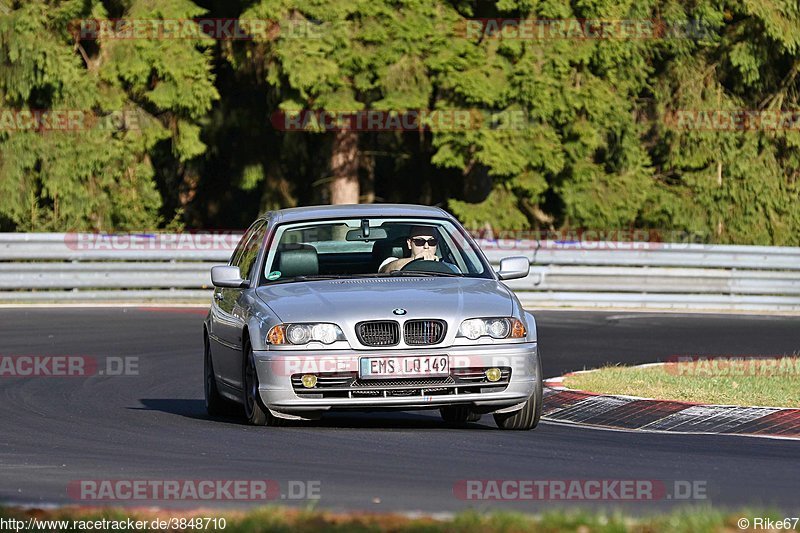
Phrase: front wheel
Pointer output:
(527, 417)
(254, 410)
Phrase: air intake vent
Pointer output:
(424, 332)
(378, 333)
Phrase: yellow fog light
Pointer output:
(493, 374)
(309, 381)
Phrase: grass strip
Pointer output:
(762, 382)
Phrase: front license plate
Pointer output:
(404, 367)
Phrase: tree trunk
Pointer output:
(366, 167)
(477, 183)
(344, 168)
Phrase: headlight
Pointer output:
(298, 333)
(304, 333)
(496, 328)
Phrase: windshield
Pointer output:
(374, 247)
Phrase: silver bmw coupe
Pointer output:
(369, 307)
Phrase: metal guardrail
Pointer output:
(97, 247)
(55, 267)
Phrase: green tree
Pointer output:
(729, 186)
(132, 96)
(601, 151)
(347, 56)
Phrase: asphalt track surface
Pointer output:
(153, 426)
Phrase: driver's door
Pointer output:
(227, 315)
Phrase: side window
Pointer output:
(236, 256)
(250, 251)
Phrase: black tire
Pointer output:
(527, 417)
(216, 405)
(458, 415)
(255, 412)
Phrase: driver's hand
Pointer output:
(427, 255)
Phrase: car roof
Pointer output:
(321, 212)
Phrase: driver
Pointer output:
(422, 241)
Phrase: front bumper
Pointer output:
(286, 397)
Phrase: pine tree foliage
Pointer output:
(128, 96)
(732, 186)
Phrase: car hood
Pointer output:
(353, 300)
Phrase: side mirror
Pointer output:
(514, 267)
(227, 276)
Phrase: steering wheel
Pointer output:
(424, 265)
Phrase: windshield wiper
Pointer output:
(309, 277)
(315, 277)
(413, 273)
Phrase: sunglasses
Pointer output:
(421, 242)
